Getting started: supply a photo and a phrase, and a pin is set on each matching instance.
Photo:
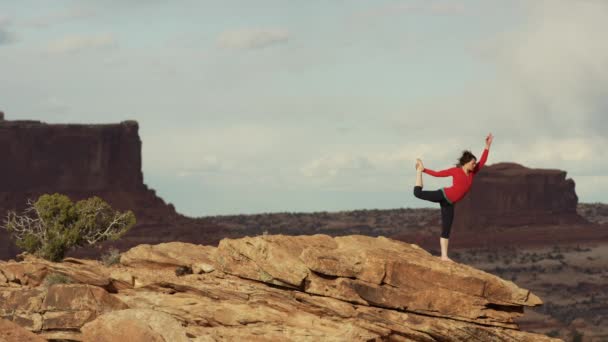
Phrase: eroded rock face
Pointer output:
(70, 157)
(509, 194)
(170, 255)
(11, 332)
(139, 325)
(376, 272)
(278, 288)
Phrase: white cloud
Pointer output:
(546, 99)
(557, 62)
(252, 38)
(73, 44)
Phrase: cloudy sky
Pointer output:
(273, 105)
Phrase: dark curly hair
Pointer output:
(466, 157)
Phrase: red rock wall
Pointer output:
(42, 157)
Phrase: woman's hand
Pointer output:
(489, 139)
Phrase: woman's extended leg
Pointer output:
(432, 196)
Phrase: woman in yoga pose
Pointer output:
(462, 174)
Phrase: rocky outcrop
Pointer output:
(508, 194)
(137, 325)
(266, 288)
(11, 332)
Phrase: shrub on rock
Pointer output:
(54, 224)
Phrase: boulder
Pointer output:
(377, 272)
(273, 287)
(138, 325)
(11, 332)
(170, 254)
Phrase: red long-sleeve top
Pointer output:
(461, 182)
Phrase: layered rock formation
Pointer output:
(508, 194)
(266, 288)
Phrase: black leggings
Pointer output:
(447, 209)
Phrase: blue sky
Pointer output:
(265, 106)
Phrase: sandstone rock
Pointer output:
(59, 335)
(83, 273)
(33, 271)
(350, 288)
(266, 313)
(273, 259)
(139, 325)
(121, 279)
(63, 306)
(22, 306)
(171, 255)
(11, 332)
(202, 267)
(3, 279)
(376, 271)
(77, 297)
(24, 273)
(66, 320)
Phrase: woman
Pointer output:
(462, 179)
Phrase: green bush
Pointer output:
(54, 224)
